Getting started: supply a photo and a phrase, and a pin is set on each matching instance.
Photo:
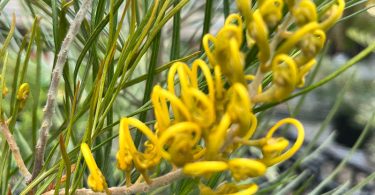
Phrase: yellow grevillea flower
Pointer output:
(226, 53)
(22, 94)
(217, 137)
(271, 11)
(229, 189)
(296, 37)
(332, 15)
(204, 168)
(257, 30)
(182, 139)
(304, 12)
(127, 150)
(243, 168)
(159, 99)
(274, 148)
(96, 180)
(285, 78)
(200, 105)
(239, 108)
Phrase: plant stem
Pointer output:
(136, 188)
(52, 91)
(15, 151)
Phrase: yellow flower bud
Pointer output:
(96, 180)
(271, 11)
(243, 168)
(304, 12)
(23, 92)
(174, 136)
(203, 168)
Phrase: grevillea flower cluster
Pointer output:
(205, 113)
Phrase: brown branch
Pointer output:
(52, 91)
(135, 188)
(15, 151)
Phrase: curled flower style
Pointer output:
(304, 12)
(271, 11)
(159, 99)
(96, 180)
(296, 37)
(239, 108)
(127, 150)
(333, 14)
(226, 53)
(181, 140)
(284, 80)
(258, 31)
(274, 148)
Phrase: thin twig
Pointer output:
(135, 188)
(15, 151)
(52, 91)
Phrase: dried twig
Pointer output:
(135, 188)
(52, 91)
(15, 151)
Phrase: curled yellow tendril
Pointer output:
(184, 75)
(217, 137)
(333, 14)
(303, 71)
(142, 161)
(200, 64)
(271, 11)
(96, 180)
(226, 52)
(201, 108)
(284, 80)
(296, 37)
(278, 145)
(304, 12)
(258, 31)
(181, 140)
(159, 99)
(239, 109)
